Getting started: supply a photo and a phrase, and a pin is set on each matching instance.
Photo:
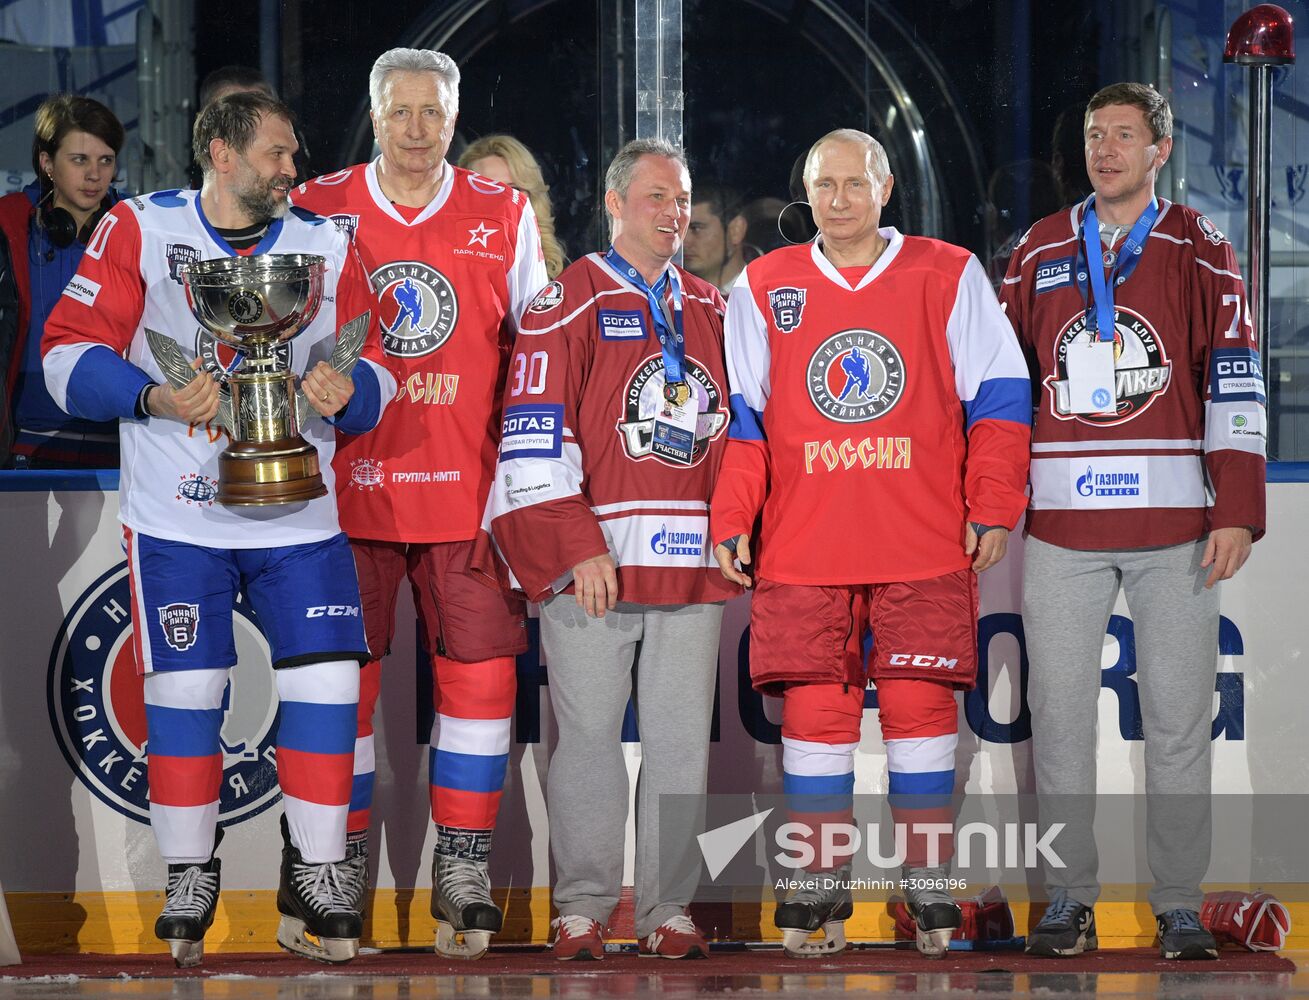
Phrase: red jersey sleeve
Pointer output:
(1235, 424)
(541, 518)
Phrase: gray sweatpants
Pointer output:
(1068, 596)
(589, 662)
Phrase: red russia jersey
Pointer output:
(577, 475)
(1183, 449)
(869, 420)
(452, 283)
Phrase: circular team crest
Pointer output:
(1141, 370)
(244, 306)
(547, 298)
(419, 308)
(221, 360)
(644, 398)
(97, 710)
(855, 375)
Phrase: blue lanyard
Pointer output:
(1100, 320)
(671, 337)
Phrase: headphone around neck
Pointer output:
(61, 228)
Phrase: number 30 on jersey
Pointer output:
(528, 373)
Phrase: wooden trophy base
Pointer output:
(260, 474)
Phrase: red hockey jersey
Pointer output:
(578, 475)
(1183, 449)
(452, 283)
(870, 420)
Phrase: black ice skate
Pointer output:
(934, 910)
(191, 899)
(355, 869)
(461, 893)
(319, 920)
(822, 900)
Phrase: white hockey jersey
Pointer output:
(130, 279)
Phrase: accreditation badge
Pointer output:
(1090, 367)
(674, 425)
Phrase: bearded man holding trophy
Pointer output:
(224, 331)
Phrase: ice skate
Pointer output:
(191, 897)
(822, 901)
(461, 894)
(936, 914)
(355, 870)
(318, 917)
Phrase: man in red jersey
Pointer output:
(880, 414)
(614, 424)
(454, 258)
(1147, 473)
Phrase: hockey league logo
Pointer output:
(345, 224)
(181, 625)
(1141, 369)
(644, 398)
(97, 710)
(855, 375)
(179, 255)
(419, 308)
(787, 305)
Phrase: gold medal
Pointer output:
(677, 393)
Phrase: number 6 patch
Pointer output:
(181, 625)
(787, 305)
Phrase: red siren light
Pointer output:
(1262, 36)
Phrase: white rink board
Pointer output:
(58, 836)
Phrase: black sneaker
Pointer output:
(1068, 928)
(1182, 936)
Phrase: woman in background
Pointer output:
(503, 158)
(47, 226)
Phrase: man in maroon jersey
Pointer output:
(455, 258)
(615, 418)
(1147, 473)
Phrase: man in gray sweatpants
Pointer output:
(614, 424)
(1147, 475)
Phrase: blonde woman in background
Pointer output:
(503, 158)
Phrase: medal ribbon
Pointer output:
(669, 329)
(1100, 319)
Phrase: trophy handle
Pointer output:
(344, 357)
(172, 362)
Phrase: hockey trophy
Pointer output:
(253, 305)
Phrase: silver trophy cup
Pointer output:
(252, 304)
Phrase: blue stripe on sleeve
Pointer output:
(104, 386)
(747, 424)
(183, 732)
(314, 728)
(361, 791)
(467, 772)
(365, 406)
(1001, 399)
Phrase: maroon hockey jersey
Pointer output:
(578, 473)
(1182, 450)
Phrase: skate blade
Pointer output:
(295, 938)
(934, 944)
(467, 944)
(798, 944)
(187, 954)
